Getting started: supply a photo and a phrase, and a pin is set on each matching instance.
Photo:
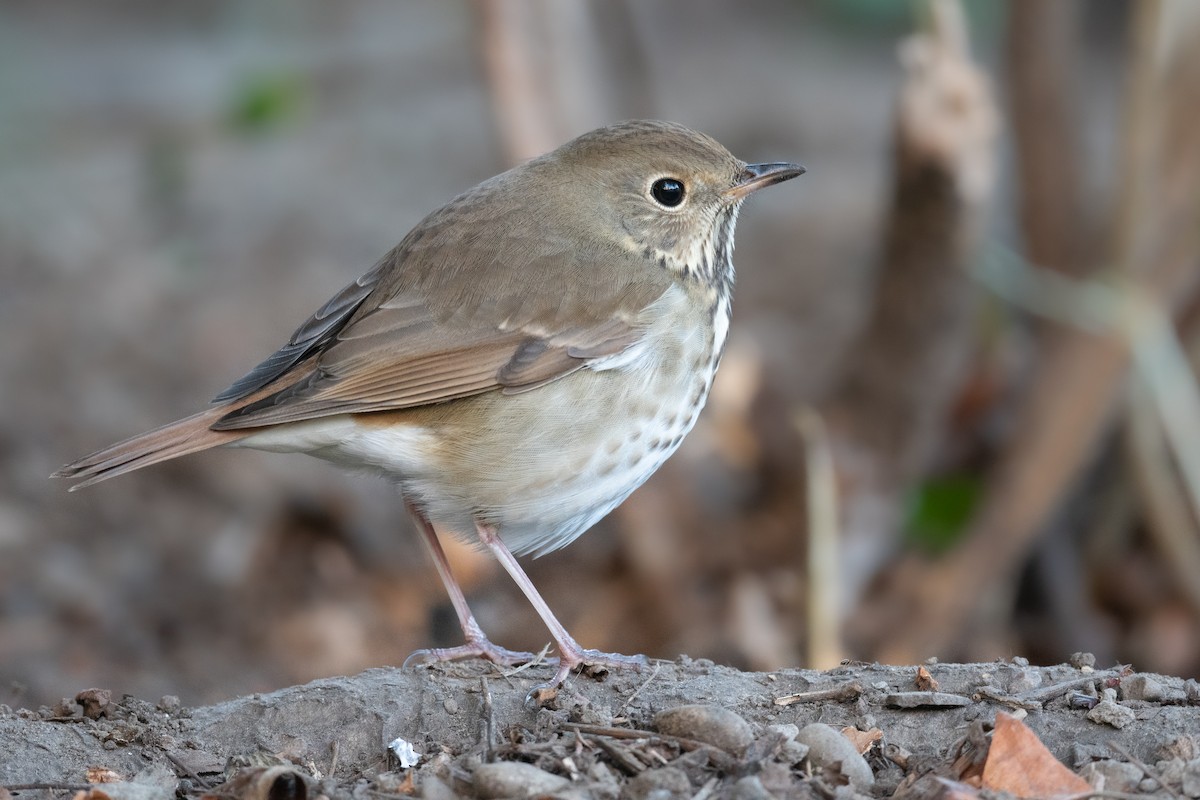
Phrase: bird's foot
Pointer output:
(573, 656)
(475, 648)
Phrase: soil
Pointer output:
(598, 736)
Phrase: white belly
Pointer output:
(542, 466)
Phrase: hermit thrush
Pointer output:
(525, 358)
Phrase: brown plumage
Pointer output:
(523, 360)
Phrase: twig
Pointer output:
(537, 661)
(820, 484)
(191, 773)
(489, 719)
(634, 733)
(630, 699)
(706, 790)
(996, 696)
(846, 691)
(337, 751)
(1048, 693)
(54, 787)
(623, 758)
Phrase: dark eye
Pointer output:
(667, 191)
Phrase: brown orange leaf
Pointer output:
(862, 740)
(1018, 763)
(925, 681)
(102, 775)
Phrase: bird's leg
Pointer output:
(478, 645)
(570, 654)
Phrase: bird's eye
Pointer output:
(667, 191)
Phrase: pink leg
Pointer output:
(478, 645)
(571, 655)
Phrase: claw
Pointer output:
(476, 649)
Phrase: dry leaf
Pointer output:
(925, 681)
(862, 740)
(1018, 763)
(102, 775)
(91, 794)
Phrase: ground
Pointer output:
(737, 734)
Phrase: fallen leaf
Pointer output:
(1018, 763)
(925, 681)
(91, 794)
(102, 775)
(862, 740)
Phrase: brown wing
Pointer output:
(515, 306)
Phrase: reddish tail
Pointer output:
(189, 435)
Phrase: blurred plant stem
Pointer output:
(1077, 383)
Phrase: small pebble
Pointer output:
(1081, 660)
(1170, 770)
(827, 746)
(1142, 687)
(432, 788)
(793, 752)
(750, 788)
(1020, 661)
(515, 779)
(664, 782)
(1108, 712)
(169, 703)
(787, 730)
(1190, 780)
(1019, 679)
(713, 725)
(1110, 775)
(451, 705)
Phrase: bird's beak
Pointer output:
(757, 176)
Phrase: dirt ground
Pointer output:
(676, 729)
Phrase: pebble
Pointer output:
(1112, 776)
(1152, 690)
(1109, 712)
(1142, 687)
(433, 788)
(791, 751)
(827, 746)
(451, 705)
(515, 779)
(1081, 660)
(1190, 780)
(1018, 678)
(664, 783)
(713, 725)
(169, 703)
(750, 788)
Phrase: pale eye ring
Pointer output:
(668, 192)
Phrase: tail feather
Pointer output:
(189, 435)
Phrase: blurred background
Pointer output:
(956, 416)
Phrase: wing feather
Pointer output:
(512, 306)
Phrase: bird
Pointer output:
(522, 361)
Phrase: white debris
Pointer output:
(404, 752)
